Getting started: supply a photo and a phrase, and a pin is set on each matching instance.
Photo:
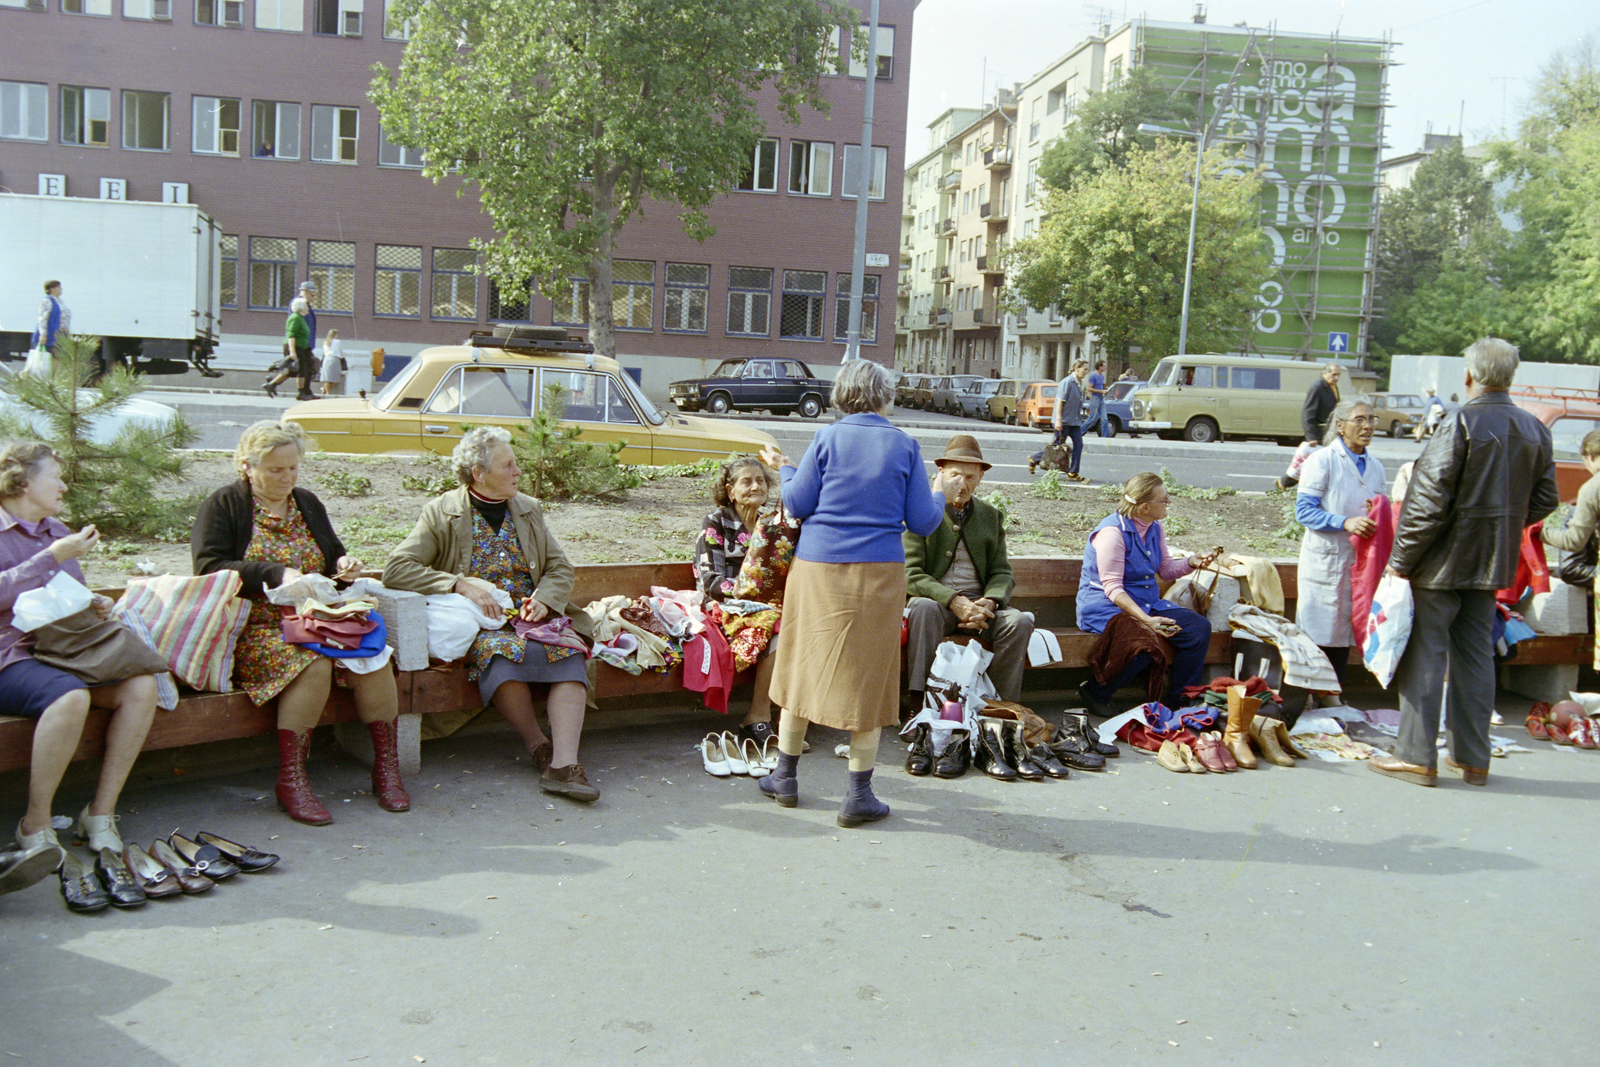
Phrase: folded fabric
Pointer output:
(619, 652)
(338, 633)
(195, 623)
(1304, 664)
(96, 651)
(682, 611)
(643, 617)
(1125, 637)
(1533, 569)
(370, 643)
(1259, 580)
(1372, 556)
(554, 631)
(166, 687)
(1252, 686)
(708, 667)
(341, 610)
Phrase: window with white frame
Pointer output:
(229, 284)
(394, 155)
(332, 265)
(338, 18)
(219, 13)
(334, 131)
(397, 281)
(633, 294)
(24, 111)
(275, 129)
(85, 116)
(147, 9)
(101, 8)
(762, 174)
(800, 314)
(848, 182)
(513, 303)
(146, 119)
(1031, 189)
(684, 305)
(272, 264)
(287, 15)
(858, 63)
(216, 125)
(455, 284)
(394, 29)
(845, 289)
(569, 305)
(811, 168)
(749, 301)
(1115, 74)
(1033, 119)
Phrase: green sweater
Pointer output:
(928, 558)
(297, 330)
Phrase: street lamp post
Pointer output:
(1194, 214)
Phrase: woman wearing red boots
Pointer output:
(271, 532)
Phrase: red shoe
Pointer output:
(1582, 734)
(1537, 716)
(1557, 734)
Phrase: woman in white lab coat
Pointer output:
(1337, 483)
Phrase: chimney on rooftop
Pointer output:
(1199, 16)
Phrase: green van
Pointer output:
(1204, 397)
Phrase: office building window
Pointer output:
(397, 278)
(633, 294)
(156, 10)
(101, 8)
(146, 117)
(219, 12)
(875, 181)
(216, 125)
(455, 284)
(340, 18)
(762, 174)
(272, 263)
(24, 111)
(800, 314)
(85, 116)
(333, 133)
(393, 155)
(688, 288)
(287, 15)
(230, 270)
(394, 29)
(869, 309)
(749, 301)
(332, 265)
(512, 304)
(275, 129)
(858, 62)
(570, 304)
(811, 168)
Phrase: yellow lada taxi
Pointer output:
(499, 381)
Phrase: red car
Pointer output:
(1570, 414)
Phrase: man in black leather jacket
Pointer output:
(1486, 474)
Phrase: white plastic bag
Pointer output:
(63, 595)
(454, 622)
(38, 363)
(1388, 628)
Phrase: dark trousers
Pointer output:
(1189, 646)
(1451, 637)
(1074, 432)
(930, 622)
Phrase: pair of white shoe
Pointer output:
(726, 754)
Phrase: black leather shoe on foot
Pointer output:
(1103, 709)
(956, 757)
(121, 886)
(79, 887)
(919, 761)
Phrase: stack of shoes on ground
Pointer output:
(1563, 723)
(1003, 753)
(126, 878)
(1075, 743)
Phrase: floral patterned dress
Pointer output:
(499, 656)
(264, 664)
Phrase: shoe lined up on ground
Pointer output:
(727, 754)
(131, 876)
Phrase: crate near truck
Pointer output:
(144, 277)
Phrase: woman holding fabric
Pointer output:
(34, 547)
(860, 483)
(1119, 595)
(741, 492)
(488, 532)
(272, 532)
(1337, 485)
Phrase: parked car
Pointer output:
(1398, 413)
(1571, 414)
(922, 392)
(946, 391)
(780, 386)
(1003, 404)
(1119, 407)
(497, 381)
(1203, 397)
(902, 389)
(1036, 405)
(973, 401)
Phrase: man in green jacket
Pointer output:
(959, 579)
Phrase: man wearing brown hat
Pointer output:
(959, 579)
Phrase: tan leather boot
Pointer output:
(1265, 735)
(1236, 738)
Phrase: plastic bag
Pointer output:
(63, 595)
(38, 363)
(454, 622)
(1388, 628)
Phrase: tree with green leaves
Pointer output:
(119, 484)
(571, 116)
(1105, 129)
(557, 466)
(1112, 251)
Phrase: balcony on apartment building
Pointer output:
(998, 157)
(946, 227)
(977, 317)
(994, 212)
(990, 265)
(951, 179)
(904, 288)
(941, 273)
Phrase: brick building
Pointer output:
(257, 111)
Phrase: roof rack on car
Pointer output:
(531, 339)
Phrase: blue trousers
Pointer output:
(1188, 662)
(1097, 416)
(1076, 433)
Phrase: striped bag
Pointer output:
(194, 621)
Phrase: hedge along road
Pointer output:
(1244, 465)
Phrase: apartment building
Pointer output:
(257, 111)
(932, 186)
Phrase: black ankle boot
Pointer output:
(919, 761)
(956, 757)
(1016, 753)
(782, 784)
(990, 758)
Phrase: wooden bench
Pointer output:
(1047, 587)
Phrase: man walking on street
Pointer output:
(1068, 420)
(1321, 399)
(306, 368)
(1485, 476)
(1097, 399)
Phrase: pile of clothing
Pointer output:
(342, 624)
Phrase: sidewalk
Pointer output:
(1319, 914)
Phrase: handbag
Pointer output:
(767, 559)
(38, 362)
(94, 650)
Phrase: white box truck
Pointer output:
(144, 277)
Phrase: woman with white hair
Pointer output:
(487, 531)
(272, 532)
(297, 354)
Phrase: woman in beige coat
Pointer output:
(488, 531)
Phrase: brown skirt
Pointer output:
(839, 664)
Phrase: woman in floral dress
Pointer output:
(272, 532)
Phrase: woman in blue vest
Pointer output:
(1126, 556)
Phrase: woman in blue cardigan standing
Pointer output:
(860, 483)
